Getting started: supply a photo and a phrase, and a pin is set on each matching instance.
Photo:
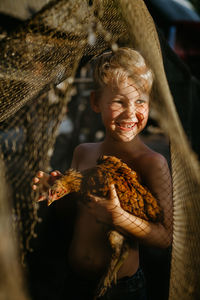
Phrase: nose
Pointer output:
(131, 112)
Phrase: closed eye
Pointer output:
(117, 101)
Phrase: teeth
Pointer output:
(125, 125)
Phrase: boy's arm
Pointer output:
(158, 180)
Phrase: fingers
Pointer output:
(93, 198)
(34, 187)
(40, 183)
(56, 173)
(40, 174)
(41, 177)
(113, 196)
(113, 193)
(91, 202)
(37, 178)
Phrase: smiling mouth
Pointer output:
(126, 126)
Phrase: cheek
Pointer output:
(114, 114)
(142, 115)
(111, 114)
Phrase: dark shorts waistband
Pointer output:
(136, 276)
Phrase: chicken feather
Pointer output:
(134, 198)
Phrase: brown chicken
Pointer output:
(133, 197)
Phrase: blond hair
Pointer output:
(112, 67)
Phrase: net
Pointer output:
(11, 287)
(46, 51)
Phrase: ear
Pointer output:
(94, 102)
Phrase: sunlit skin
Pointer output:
(124, 110)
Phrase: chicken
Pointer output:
(133, 197)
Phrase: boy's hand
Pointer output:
(42, 182)
(106, 210)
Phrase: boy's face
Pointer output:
(124, 110)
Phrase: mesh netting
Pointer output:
(11, 287)
(46, 51)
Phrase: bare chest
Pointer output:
(88, 226)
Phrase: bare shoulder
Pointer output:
(84, 154)
(82, 149)
(153, 166)
(154, 160)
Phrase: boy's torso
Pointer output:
(89, 253)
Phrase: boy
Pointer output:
(122, 88)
